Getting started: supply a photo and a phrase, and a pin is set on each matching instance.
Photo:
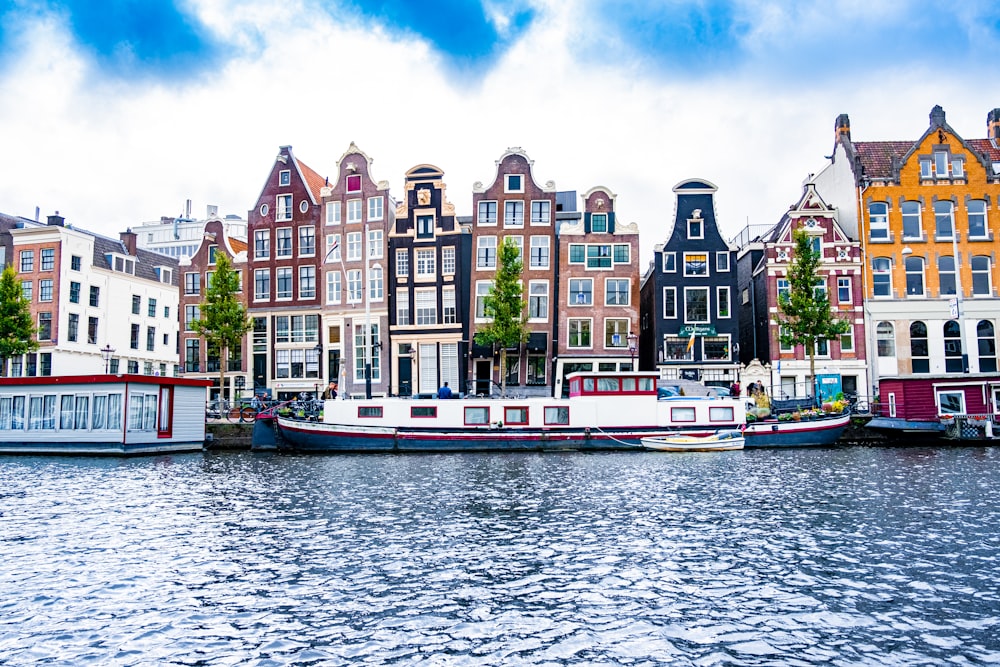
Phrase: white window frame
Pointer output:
(281, 234)
(541, 243)
(483, 216)
(354, 211)
(667, 315)
(909, 216)
(307, 232)
(425, 307)
(700, 232)
(513, 213)
(569, 332)
(307, 281)
(448, 263)
(484, 244)
(333, 212)
(284, 177)
(376, 282)
(354, 249)
(538, 290)
(608, 291)
(375, 208)
(281, 273)
(402, 262)
(483, 288)
(426, 264)
(283, 208)
(704, 254)
(544, 216)
(708, 305)
(333, 254)
(403, 307)
(722, 261)
(375, 244)
(878, 223)
(333, 287)
(887, 273)
(507, 183)
(845, 283)
(723, 295)
(354, 286)
(669, 260)
(574, 301)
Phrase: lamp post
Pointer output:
(106, 353)
(633, 346)
(956, 312)
(319, 369)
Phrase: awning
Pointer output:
(481, 351)
(538, 341)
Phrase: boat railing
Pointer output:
(971, 426)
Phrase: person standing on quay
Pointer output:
(331, 390)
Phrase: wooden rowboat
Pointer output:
(720, 441)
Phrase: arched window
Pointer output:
(878, 220)
(881, 276)
(885, 339)
(977, 218)
(985, 333)
(911, 220)
(944, 219)
(952, 347)
(919, 351)
(946, 274)
(981, 276)
(914, 276)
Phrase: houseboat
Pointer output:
(931, 407)
(117, 415)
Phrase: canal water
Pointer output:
(845, 556)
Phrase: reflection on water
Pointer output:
(832, 556)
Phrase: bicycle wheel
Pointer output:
(231, 412)
(248, 415)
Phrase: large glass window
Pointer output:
(696, 304)
(919, 348)
(911, 220)
(402, 262)
(307, 282)
(952, 347)
(616, 333)
(878, 220)
(882, 276)
(426, 263)
(307, 241)
(885, 339)
(426, 306)
(483, 288)
(986, 337)
(333, 287)
(844, 290)
(598, 256)
(695, 264)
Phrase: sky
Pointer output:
(116, 113)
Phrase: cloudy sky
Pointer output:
(116, 112)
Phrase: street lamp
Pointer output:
(107, 352)
(633, 346)
(319, 368)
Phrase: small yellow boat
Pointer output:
(721, 441)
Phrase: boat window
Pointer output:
(477, 415)
(574, 385)
(66, 412)
(515, 415)
(42, 412)
(722, 414)
(99, 415)
(588, 384)
(608, 385)
(82, 410)
(557, 415)
(114, 411)
(424, 411)
(646, 384)
(679, 414)
(6, 404)
(370, 411)
(628, 384)
(951, 402)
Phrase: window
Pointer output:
(48, 259)
(333, 248)
(616, 333)
(333, 212)
(283, 242)
(136, 304)
(425, 226)
(261, 284)
(616, 292)
(283, 283)
(486, 252)
(333, 286)
(696, 304)
(375, 283)
(941, 164)
(426, 264)
(307, 282)
(980, 278)
(150, 339)
(581, 291)
(513, 183)
(74, 292)
(952, 347)
(448, 260)
(45, 289)
(944, 219)
(284, 208)
(449, 311)
(881, 276)
(541, 212)
(539, 252)
(598, 257)
(284, 177)
(92, 326)
(885, 339)
(670, 303)
(783, 345)
(74, 262)
(360, 359)
(354, 183)
(353, 210)
(518, 242)
(722, 261)
(715, 348)
(844, 290)
(403, 307)
(487, 213)
(957, 167)
(878, 220)
(977, 218)
(307, 241)
(986, 337)
(669, 262)
(262, 244)
(191, 313)
(354, 286)
(914, 276)
(134, 337)
(74, 327)
(95, 295)
(375, 246)
(538, 300)
(44, 326)
(151, 308)
(354, 246)
(402, 263)
(577, 253)
(27, 261)
(622, 252)
(477, 416)
(536, 372)
(919, 348)
(696, 229)
(695, 264)
(911, 220)
(723, 305)
(483, 288)
(676, 348)
(425, 302)
(847, 341)
(599, 222)
(579, 333)
(925, 168)
(513, 214)
(375, 208)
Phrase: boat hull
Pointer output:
(816, 433)
(685, 443)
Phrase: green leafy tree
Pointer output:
(505, 305)
(804, 313)
(17, 331)
(224, 320)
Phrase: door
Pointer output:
(484, 375)
(405, 376)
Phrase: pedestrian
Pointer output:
(734, 389)
(444, 391)
(331, 390)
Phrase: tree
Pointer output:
(17, 330)
(505, 305)
(224, 320)
(804, 313)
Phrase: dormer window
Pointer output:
(599, 222)
(163, 274)
(284, 177)
(696, 230)
(354, 183)
(513, 183)
(121, 264)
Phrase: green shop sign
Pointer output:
(696, 330)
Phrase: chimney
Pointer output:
(128, 239)
(937, 116)
(57, 220)
(842, 128)
(993, 126)
(187, 210)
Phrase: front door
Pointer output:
(484, 376)
(405, 376)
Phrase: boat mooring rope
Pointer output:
(618, 440)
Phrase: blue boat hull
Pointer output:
(817, 433)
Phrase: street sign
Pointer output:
(953, 305)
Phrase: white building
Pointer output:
(181, 236)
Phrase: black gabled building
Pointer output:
(689, 325)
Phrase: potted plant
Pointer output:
(796, 416)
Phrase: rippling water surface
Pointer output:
(797, 557)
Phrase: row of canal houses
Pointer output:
(345, 283)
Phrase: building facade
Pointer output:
(181, 236)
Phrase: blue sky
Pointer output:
(162, 101)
